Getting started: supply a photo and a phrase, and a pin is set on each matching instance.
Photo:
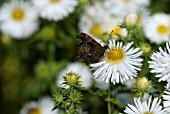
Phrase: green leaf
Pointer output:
(101, 93)
(116, 102)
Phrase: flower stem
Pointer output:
(128, 35)
(108, 103)
(51, 51)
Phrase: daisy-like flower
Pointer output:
(91, 21)
(157, 28)
(166, 98)
(80, 69)
(97, 23)
(120, 63)
(43, 106)
(55, 9)
(18, 19)
(160, 63)
(123, 7)
(145, 107)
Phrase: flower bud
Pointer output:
(146, 48)
(58, 97)
(131, 19)
(143, 83)
(75, 96)
(72, 78)
(5, 39)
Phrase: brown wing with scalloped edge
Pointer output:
(88, 49)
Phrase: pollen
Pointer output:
(96, 30)
(162, 29)
(18, 14)
(115, 55)
(54, 1)
(34, 111)
(148, 112)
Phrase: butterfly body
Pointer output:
(88, 49)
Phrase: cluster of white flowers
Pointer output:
(120, 62)
(19, 19)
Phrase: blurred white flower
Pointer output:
(130, 83)
(80, 69)
(131, 19)
(120, 63)
(157, 28)
(43, 106)
(18, 19)
(55, 9)
(101, 84)
(160, 63)
(145, 107)
(96, 20)
(121, 8)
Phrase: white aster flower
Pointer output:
(43, 106)
(120, 63)
(160, 63)
(121, 8)
(131, 19)
(18, 19)
(145, 107)
(96, 20)
(55, 9)
(80, 69)
(166, 100)
(157, 28)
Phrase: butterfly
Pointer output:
(88, 50)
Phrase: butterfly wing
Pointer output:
(88, 49)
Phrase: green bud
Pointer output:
(58, 98)
(75, 96)
(146, 48)
(72, 78)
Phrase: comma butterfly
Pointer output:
(88, 49)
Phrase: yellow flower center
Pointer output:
(34, 111)
(54, 1)
(139, 19)
(18, 14)
(115, 55)
(148, 112)
(96, 30)
(162, 29)
(116, 30)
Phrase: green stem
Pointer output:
(51, 52)
(108, 103)
(128, 35)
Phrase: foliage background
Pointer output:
(53, 45)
